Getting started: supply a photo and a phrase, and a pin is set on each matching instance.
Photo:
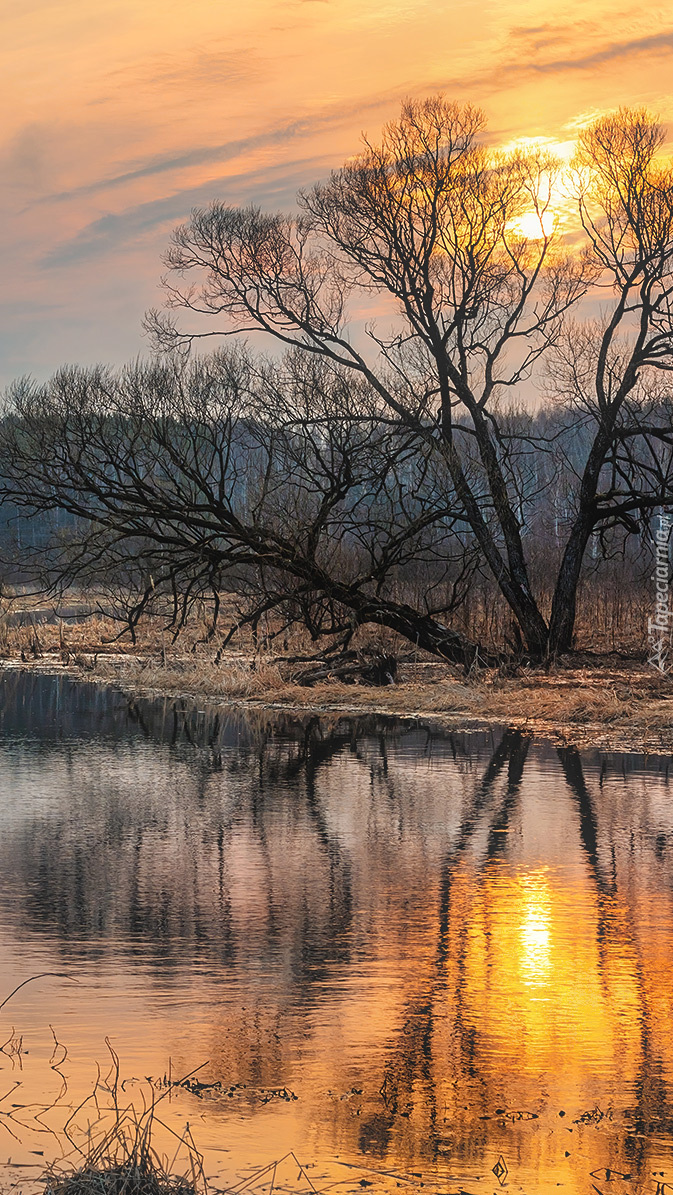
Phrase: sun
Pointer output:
(535, 226)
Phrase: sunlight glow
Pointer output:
(556, 206)
(535, 930)
(535, 225)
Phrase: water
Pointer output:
(455, 951)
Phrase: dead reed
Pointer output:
(118, 1154)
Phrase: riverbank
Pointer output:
(610, 701)
(611, 704)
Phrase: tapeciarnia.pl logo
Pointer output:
(658, 628)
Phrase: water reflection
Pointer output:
(450, 947)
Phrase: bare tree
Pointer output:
(611, 369)
(315, 485)
(434, 220)
(277, 481)
(430, 216)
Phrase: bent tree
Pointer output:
(275, 481)
(452, 244)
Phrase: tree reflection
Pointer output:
(474, 930)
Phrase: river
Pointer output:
(389, 955)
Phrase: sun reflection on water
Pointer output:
(535, 931)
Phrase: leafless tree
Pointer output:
(611, 369)
(275, 480)
(316, 484)
(434, 220)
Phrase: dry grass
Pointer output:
(119, 1154)
(616, 701)
(236, 677)
(127, 1177)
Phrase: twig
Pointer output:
(42, 975)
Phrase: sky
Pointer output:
(120, 116)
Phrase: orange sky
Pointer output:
(120, 116)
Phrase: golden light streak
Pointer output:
(535, 931)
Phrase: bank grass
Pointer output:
(235, 677)
(583, 696)
(617, 703)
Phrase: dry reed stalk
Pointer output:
(122, 1159)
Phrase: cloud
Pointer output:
(211, 68)
(525, 57)
(199, 156)
(195, 69)
(656, 43)
(109, 233)
(532, 39)
(223, 152)
(29, 159)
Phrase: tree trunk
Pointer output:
(564, 604)
(419, 629)
(511, 577)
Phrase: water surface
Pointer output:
(455, 951)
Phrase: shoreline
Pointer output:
(625, 709)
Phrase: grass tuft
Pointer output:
(122, 1158)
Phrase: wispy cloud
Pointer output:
(110, 233)
(225, 151)
(193, 71)
(657, 43)
(526, 55)
(530, 40)
(201, 155)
